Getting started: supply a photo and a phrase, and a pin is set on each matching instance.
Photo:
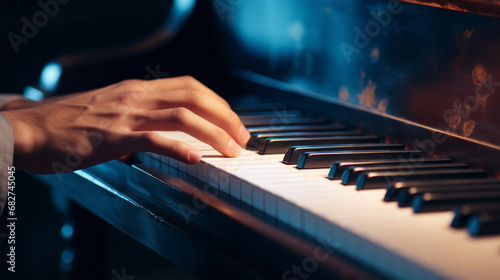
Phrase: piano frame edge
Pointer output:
(248, 248)
(399, 131)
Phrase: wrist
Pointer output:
(18, 104)
(24, 141)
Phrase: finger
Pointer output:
(202, 104)
(153, 142)
(184, 120)
(183, 82)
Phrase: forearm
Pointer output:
(11, 101)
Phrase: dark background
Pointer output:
(85, 26)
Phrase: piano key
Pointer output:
(280, 145)
(293, 154)
(464, 212)
(431, 202)
(291, 128)
(394, 188)
(484, 223)
(359, 223)
(351, 175)
(406, 195)
(256, 139)
(338, 168)
(284, 121)
(326, 159)
(379, 180)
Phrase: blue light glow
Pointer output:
(179, 13)
(32, 93)
(67, 256)
(184, 5)
(49, 79)
(67, 231)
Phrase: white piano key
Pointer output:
(202, 172)
(224, 181)
(358, 223)
(234, 187)
(193, 170)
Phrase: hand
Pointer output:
(89, 128)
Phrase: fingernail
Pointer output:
(234, 148)
(194, 156)
(244, 135)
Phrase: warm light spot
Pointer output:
(382, 105)
(375, 55)
(344, 94)
(455, 116)
(482, 101)
(444, 5)
(479, 75)
(469, 127)
(363, 74)
(367, 97)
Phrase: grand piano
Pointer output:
(374, 151)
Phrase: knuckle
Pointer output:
(195, 96)
(150, 137)
(132, 83)
(179, 114)
(190, 80)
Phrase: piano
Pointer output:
(374, 154)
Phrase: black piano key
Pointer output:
(351, 175)
(293, 154)
(271, 115)
(393, 189)
(464, 212)
(304, 133)
(338, 168)
(433, 202)
(379, 180)
(284, 121)
(258, 107)
(326, 159)
(280, 145)
(484, 223)
(406, 195)
(256, 139)
(291, 128)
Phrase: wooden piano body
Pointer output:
(420, 73)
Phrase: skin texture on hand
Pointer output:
(85, 129)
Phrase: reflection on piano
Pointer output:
(385, 158)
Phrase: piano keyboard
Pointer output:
(361, 202)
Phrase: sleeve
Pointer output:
(6, 156)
